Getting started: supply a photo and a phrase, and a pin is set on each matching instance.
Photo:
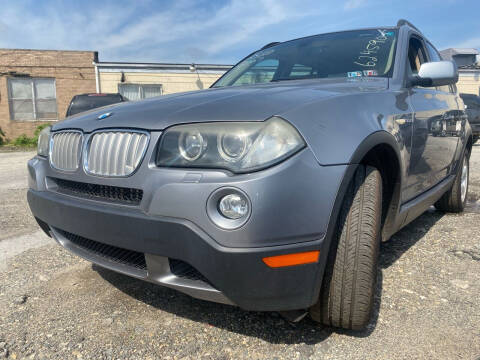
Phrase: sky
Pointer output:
(217, 31)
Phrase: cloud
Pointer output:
(354, 4)
(184, 30)
(220, 31)
(469, 43)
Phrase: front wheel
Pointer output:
(454, 200)
(348, 288)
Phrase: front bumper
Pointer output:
(291, 205)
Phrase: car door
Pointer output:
(434, 140)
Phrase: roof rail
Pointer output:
(270, 45)
(406, 22)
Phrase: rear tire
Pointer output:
(455, 199)
(348, 288)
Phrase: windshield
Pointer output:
(358, 53)
(87, 102)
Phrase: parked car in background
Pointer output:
(472, 106)
(273, 189)
(85, 102)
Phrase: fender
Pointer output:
(374, 139)
(328, 251)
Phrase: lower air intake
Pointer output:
(184, 270)
(112, 253)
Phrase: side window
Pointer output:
(416, 55)
(434, 55)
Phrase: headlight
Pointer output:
(44, 142)
(236, 146)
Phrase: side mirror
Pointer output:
(437, 73)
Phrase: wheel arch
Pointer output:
(380, 149)
(469, 145)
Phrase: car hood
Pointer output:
(239, 103)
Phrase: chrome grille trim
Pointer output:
(115, 153)
(65, 150)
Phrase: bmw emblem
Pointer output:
(104, 116)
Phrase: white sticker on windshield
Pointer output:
(353, 74)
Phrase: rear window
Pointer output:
(87, 102)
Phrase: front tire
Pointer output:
(455, 199)
(348, 288)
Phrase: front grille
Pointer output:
(65, 150)
(184, 270)
(116, 194)
(112, 253)
(115, 153)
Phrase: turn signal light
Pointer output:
(307, 257)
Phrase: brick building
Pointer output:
(36, 86)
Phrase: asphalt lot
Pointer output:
(54, 305)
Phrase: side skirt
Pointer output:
(418, 205)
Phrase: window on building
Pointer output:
(139, 91)
(32, 99)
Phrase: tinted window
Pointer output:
(87, 102)
(345, 54)
(472, 101)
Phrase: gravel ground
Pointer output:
(16, 219)
(54, 305)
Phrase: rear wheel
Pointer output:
(454, 200)
(348, 288)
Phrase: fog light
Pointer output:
(233, 206)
